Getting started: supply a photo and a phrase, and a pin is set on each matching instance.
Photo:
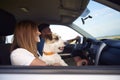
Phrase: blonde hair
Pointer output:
(24, 36)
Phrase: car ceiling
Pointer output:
(115, 4)
(45, 10)
(51, 11)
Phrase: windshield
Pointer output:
(101, 21)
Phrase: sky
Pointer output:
(63, 31)
(105, 20)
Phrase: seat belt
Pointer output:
(40, 46)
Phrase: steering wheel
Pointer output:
(83, 44)
(77, 44)
(80, 47)
(80, 43)
(95, 48)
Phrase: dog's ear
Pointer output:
(55, 37)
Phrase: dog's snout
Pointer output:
(61, 48)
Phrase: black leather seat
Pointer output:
(5, 54)
(7, 24)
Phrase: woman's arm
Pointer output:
(38, 62)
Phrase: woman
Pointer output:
(24, 47)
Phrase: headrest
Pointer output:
(7, 23)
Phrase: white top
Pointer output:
(21, 56)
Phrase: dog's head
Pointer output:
(53, 43)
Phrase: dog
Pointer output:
(52, 46)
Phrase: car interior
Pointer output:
(58, 12)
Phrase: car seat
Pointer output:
(7, 25)
(5, 54)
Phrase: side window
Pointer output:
(65, 32)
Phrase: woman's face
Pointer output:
(37, 38)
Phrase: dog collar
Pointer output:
(48, 53)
